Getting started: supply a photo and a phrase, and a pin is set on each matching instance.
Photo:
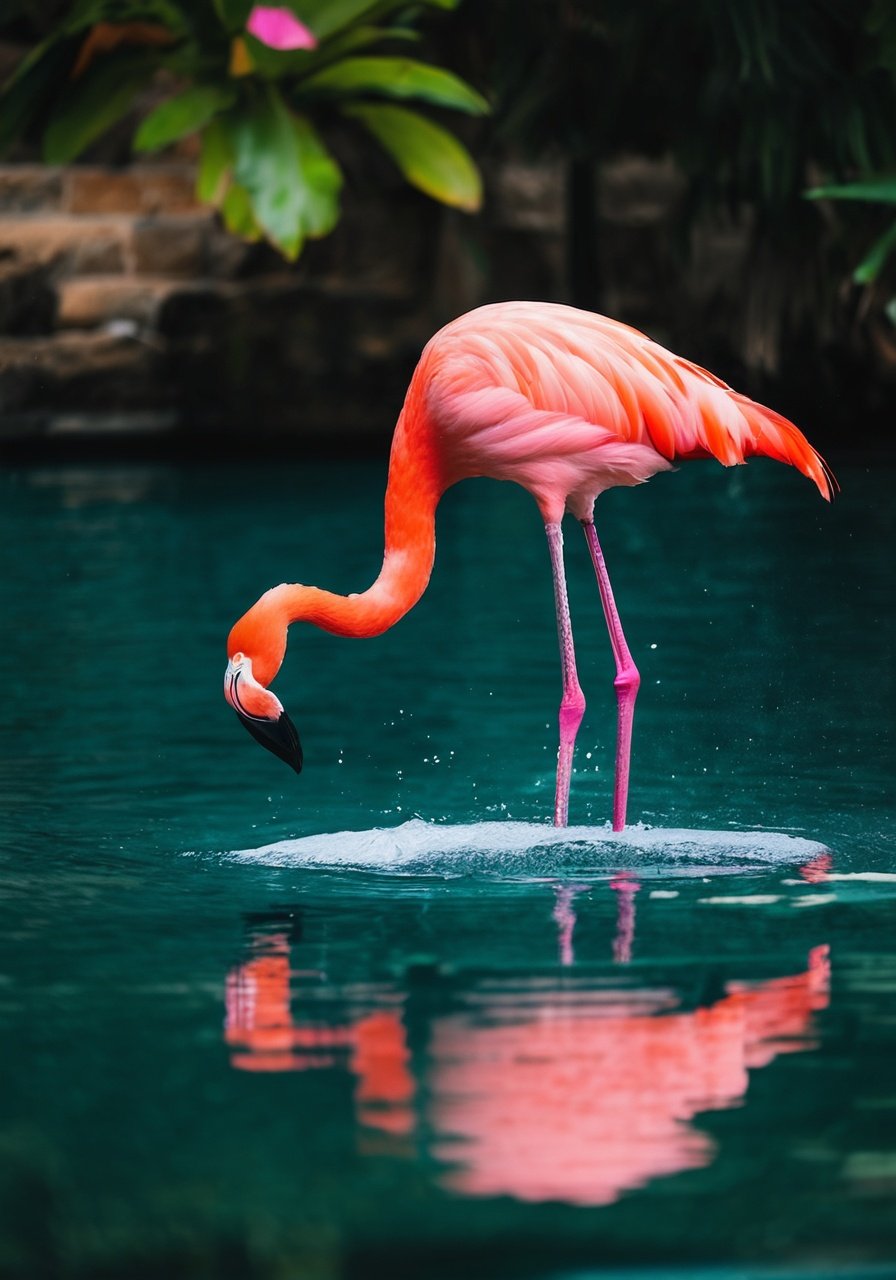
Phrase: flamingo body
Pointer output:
(563, 402)
(567, 404)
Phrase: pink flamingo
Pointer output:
(575, 1094)
(564, 403)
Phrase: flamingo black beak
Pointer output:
(279, 736)
(261, 712)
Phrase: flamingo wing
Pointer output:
(520, 389)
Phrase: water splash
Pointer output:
(528, 849)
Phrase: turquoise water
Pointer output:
(453, 1046)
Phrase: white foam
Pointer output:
(532, 849)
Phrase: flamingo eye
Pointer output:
(236, 659)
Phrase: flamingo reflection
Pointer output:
(263, 1035)
(591, 1094)
(541, 1091)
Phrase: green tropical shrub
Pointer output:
(754, 100)
(260, 86)
(875, 190)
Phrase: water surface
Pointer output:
(240, 1041)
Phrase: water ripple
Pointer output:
(526, 849)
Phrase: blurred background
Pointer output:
(214, 213)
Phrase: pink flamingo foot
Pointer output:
(627, 679)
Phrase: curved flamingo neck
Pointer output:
(414, 487)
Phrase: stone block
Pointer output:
(127, 423)
(91, 301)
(27, 297)
(228, 257)
(75, 372)
(637, 192)
(232, 350)
(382, 248)
(528, 197)
(141, 189)
(196, 314)
(30, 188)
(171, 246)
(71, 246)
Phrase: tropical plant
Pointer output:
(753, 99)
(258, 85)
(874, 190)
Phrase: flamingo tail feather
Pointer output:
(777, 437)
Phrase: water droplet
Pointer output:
(653, 646)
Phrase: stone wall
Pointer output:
(125, 307)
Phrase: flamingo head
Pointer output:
(261, 711)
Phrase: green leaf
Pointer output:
(94, 104)
(275, 63)
(31, 59)
(292, 180)
(881, 190)
(397, 78)
(215, 161)
(350, 41)
(382, 8)
(868, 269)
(25, 95)
(236, 210)
(184, 114)
(327, 17)
(430, 158)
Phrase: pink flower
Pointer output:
(279, 29)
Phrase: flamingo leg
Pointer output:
(572, 704)
(627, 678)
(625, 886)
